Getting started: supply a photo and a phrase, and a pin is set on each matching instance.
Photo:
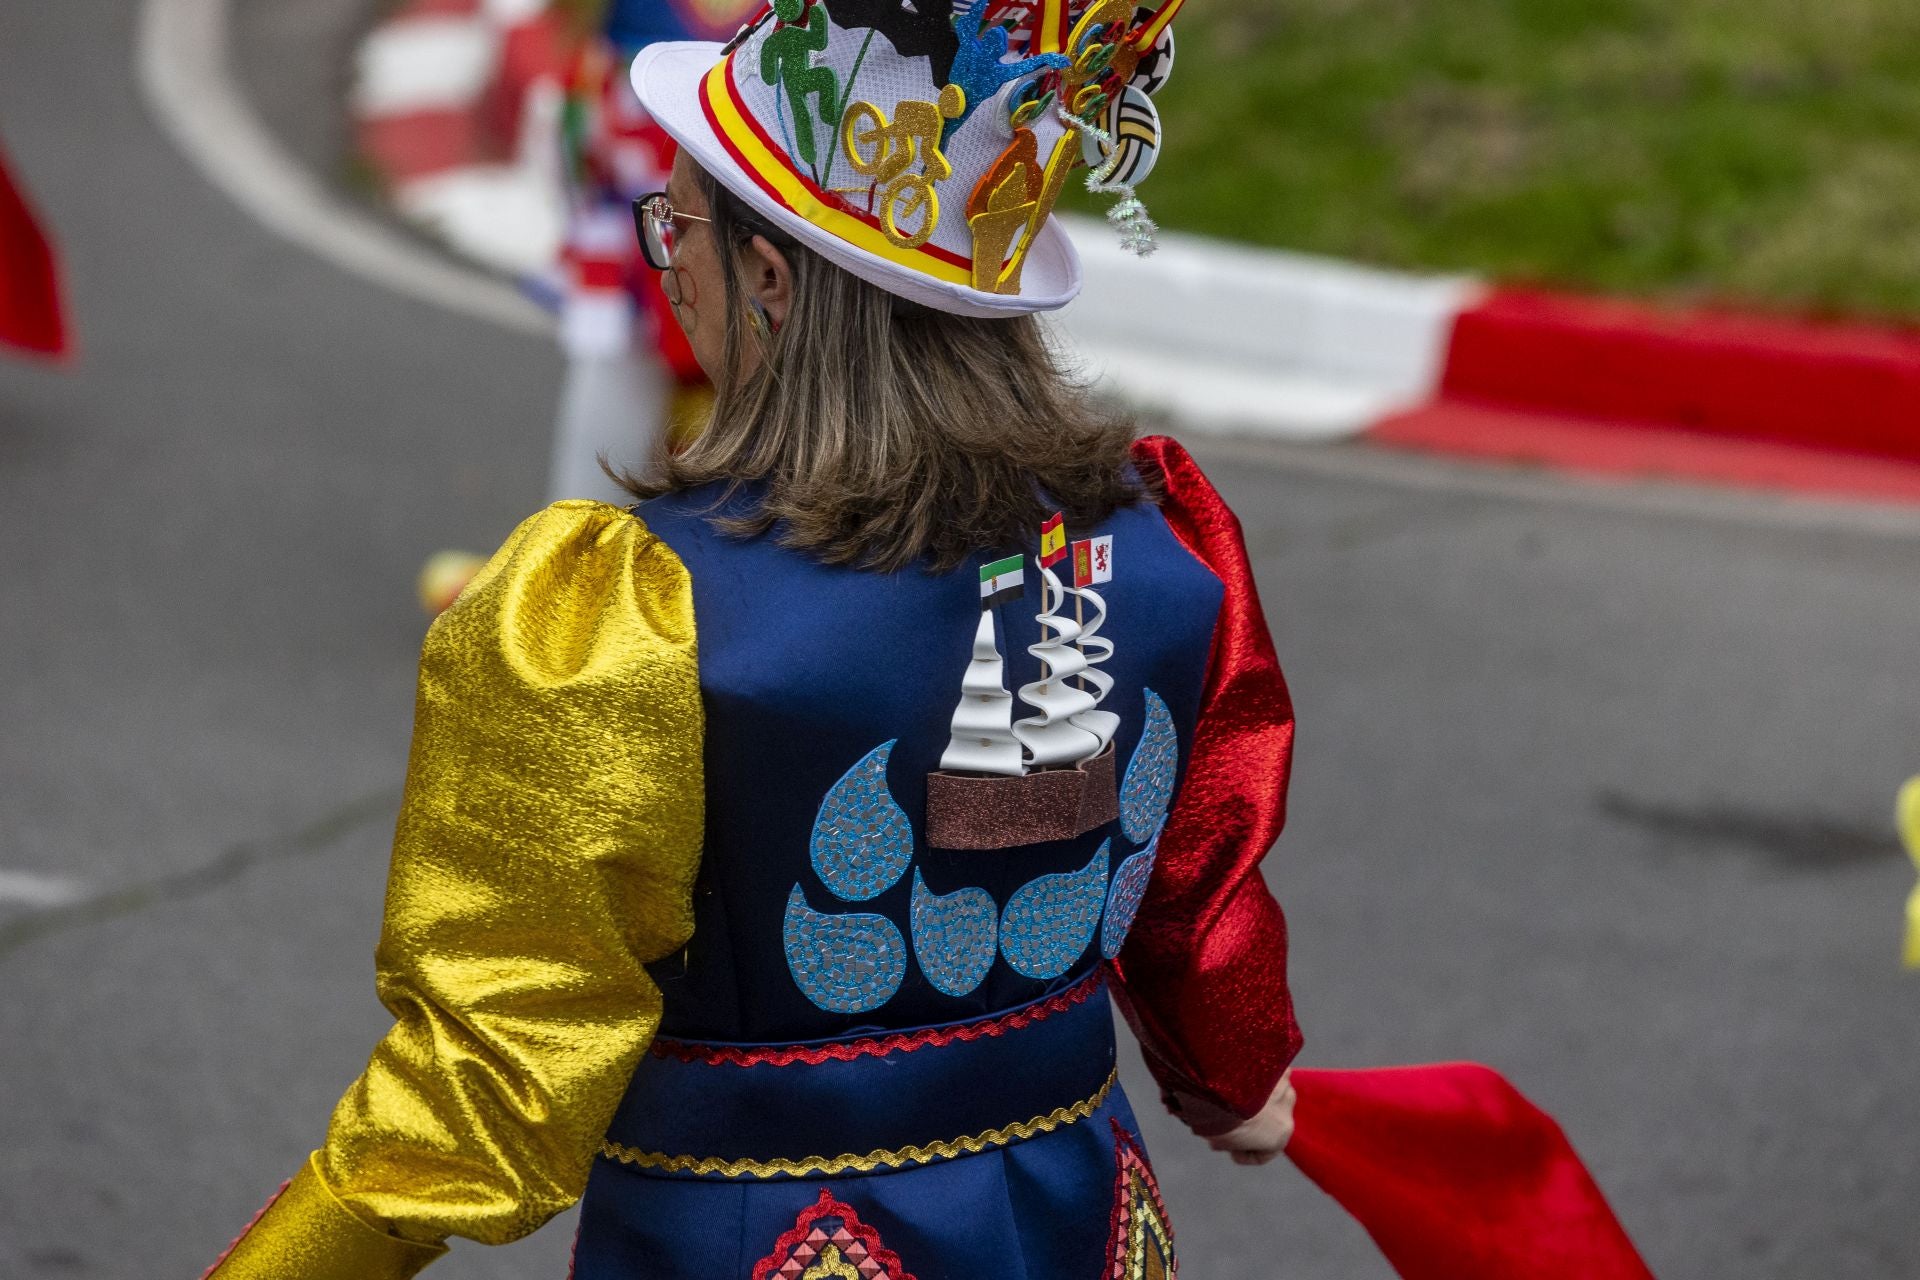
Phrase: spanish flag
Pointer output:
(1053, 541)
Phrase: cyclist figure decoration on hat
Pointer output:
(924, 147)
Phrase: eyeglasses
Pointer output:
(655, 222)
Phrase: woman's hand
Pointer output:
(1264, 1136)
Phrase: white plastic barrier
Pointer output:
(1225, 338)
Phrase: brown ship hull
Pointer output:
(983, 811)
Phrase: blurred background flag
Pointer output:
(1457, 1176)
(32, 313)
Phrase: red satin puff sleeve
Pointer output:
(1203, 975)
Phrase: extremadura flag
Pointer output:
(1003, 580)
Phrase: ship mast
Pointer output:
(983, 740)
(1052, 738)
(1095, 649)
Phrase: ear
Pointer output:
(769, 280)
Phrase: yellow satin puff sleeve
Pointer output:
(545, 852)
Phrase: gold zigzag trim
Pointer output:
(879, 1158)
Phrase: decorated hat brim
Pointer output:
(668, 79)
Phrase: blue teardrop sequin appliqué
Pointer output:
(1049, 922)
(955, 936)
(843, 963)
(1123, 900)
(862, 841)
(1148, 787)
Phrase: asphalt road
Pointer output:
(1591, 787)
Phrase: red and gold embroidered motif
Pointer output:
(829, 1242)
(1140, 1242)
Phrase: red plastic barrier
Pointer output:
(1638, 451)
(1847, 387)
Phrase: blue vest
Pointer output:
(816, 678)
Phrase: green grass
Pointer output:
(1760, 151)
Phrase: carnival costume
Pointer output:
(662, 903)
(730, 887)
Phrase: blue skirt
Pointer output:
(1001, 1147)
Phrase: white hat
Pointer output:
(918, 147)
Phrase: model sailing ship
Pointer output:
(1048, 776)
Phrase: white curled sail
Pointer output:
(983, 740)
(1053, 737)
(1095, 649)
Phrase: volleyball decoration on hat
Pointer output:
(1109, 44)
(923, 144)
(1132, 126)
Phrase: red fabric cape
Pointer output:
(31, 312)
(1456, 1176)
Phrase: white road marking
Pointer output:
(32, 889)
(425, 64)
(182, 56)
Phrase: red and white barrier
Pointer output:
(1229, 338)
(457, 107)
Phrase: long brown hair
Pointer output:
(878, 432)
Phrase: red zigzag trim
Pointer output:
(876, 1047)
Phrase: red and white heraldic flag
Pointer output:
(1093, 561)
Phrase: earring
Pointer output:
(759, 321)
